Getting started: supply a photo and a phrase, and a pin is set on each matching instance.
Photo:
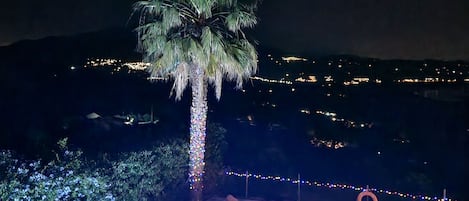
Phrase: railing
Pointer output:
(299, 182)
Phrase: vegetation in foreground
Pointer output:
(155, 174)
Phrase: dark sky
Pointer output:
(412, 29)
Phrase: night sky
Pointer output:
(405, 29)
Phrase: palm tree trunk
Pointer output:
(197, 131)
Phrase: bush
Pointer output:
(149, 175)
(215, 146)
(152, 174)
(144, 175)
(62, 179)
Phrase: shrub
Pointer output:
(149, 175)
(153, 174)
(144, 175)
(65, 178)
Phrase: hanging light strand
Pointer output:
(336, 186)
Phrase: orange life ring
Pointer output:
(367, 193)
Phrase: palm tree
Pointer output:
(197, 42)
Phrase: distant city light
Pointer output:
(310, 78)
(102, 62)
(272, 80)
(361, 79)
(157, 78)
(329, 114)
(426, 80)
(118, 65)
(292, 58)
(306, 111)
(137, 65)
(328, 78)
(348, 123)
(328, 143)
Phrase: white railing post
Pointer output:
(444, 195)
(247, 185)
(299, 187)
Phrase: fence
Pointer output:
(300, 183)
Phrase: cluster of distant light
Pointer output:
(328, 143)
(446, 70)
(273, 105)
(310, 79)
(293, 58)
(333, 186)
(340, 63)
(359, 80)
(429, 80)
(153, 78)
(333, 117)
(118, 65)
(115, 63)
(141, 66)
(313, 78)
(287, 59)
(137, 65)
(102, 62)
(272, 81)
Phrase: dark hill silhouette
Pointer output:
(114, 42)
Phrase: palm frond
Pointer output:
(240, 19)
(176, 35)
(181, 79)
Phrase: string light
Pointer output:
(197, 130)
(335, 186)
